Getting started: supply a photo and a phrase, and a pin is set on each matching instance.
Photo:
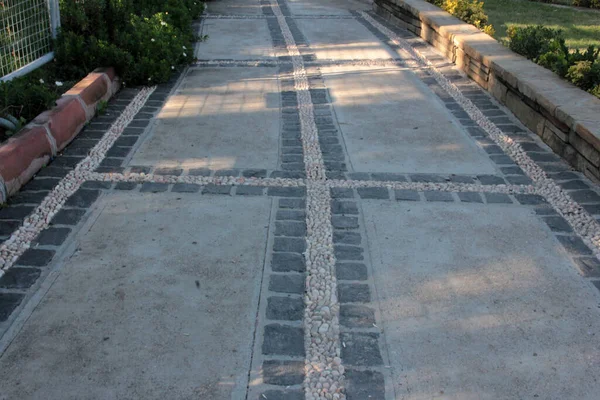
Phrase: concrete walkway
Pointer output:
(322, 208)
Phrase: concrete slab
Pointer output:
(331, 7)
(229, 39)
(219, 118)
(158, 302)
(481, 302)
(342, 39)
(391, 122)
(235, 7)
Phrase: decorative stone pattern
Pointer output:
(308, 61)
(324, 372)
(518, 83)
(581, 221)
(321, 335)
(284, 366)
(21, 240)
(361, 354)
(270, 15)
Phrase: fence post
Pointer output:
(54, 11)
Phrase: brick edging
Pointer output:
(23, 155)
(564, 116)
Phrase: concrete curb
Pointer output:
(23, 155)
(564, 116)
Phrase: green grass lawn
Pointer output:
(581, 28)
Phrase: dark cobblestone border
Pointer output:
(359, 332)
(291, 151)
(282, 348)
(207, 172)
(486, 179)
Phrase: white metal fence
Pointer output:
(27, 29)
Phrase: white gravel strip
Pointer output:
(324, 373)
(582, 222)
(198, 180)
(39, 219)
(321, 62)
(304, 16)
(437, 187)
(324, 370)
(313, 159)
(288, 182)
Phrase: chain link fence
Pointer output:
(27, 29)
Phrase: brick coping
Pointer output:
(570, 110)
(24, 154)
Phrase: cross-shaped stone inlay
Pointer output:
(360, 169)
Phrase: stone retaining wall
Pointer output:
(564, 116)
(23, 155)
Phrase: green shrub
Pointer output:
(587, 3)
(144, 40)
(469, 11)
(533, 41)
(585, 74)
(547, 48)
(27, 96)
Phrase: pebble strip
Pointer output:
(324, 373)
(313, 158)
(290, 182)
(440, 187)
(234, 16)
(199, 180)
(581, 221)
(323, 62)
(21, 239)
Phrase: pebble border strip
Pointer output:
(308, 61)
(581, 221)
(21, 239)
(196, 180)
(237, 16)
(360, 330)
(324, 373)
(291, 182)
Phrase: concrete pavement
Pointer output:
(306, 213)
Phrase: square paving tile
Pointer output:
(481, 302)
(236, 7)
(330, 7)
(230, 39)
(218, 119)
(343, 39)
(152, 305)
(407, 130)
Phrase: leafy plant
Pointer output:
(585, 74)
(101, 107)
(547, 48)
(145, 40)
(533, 41)
(587, 3)
(469, 11)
